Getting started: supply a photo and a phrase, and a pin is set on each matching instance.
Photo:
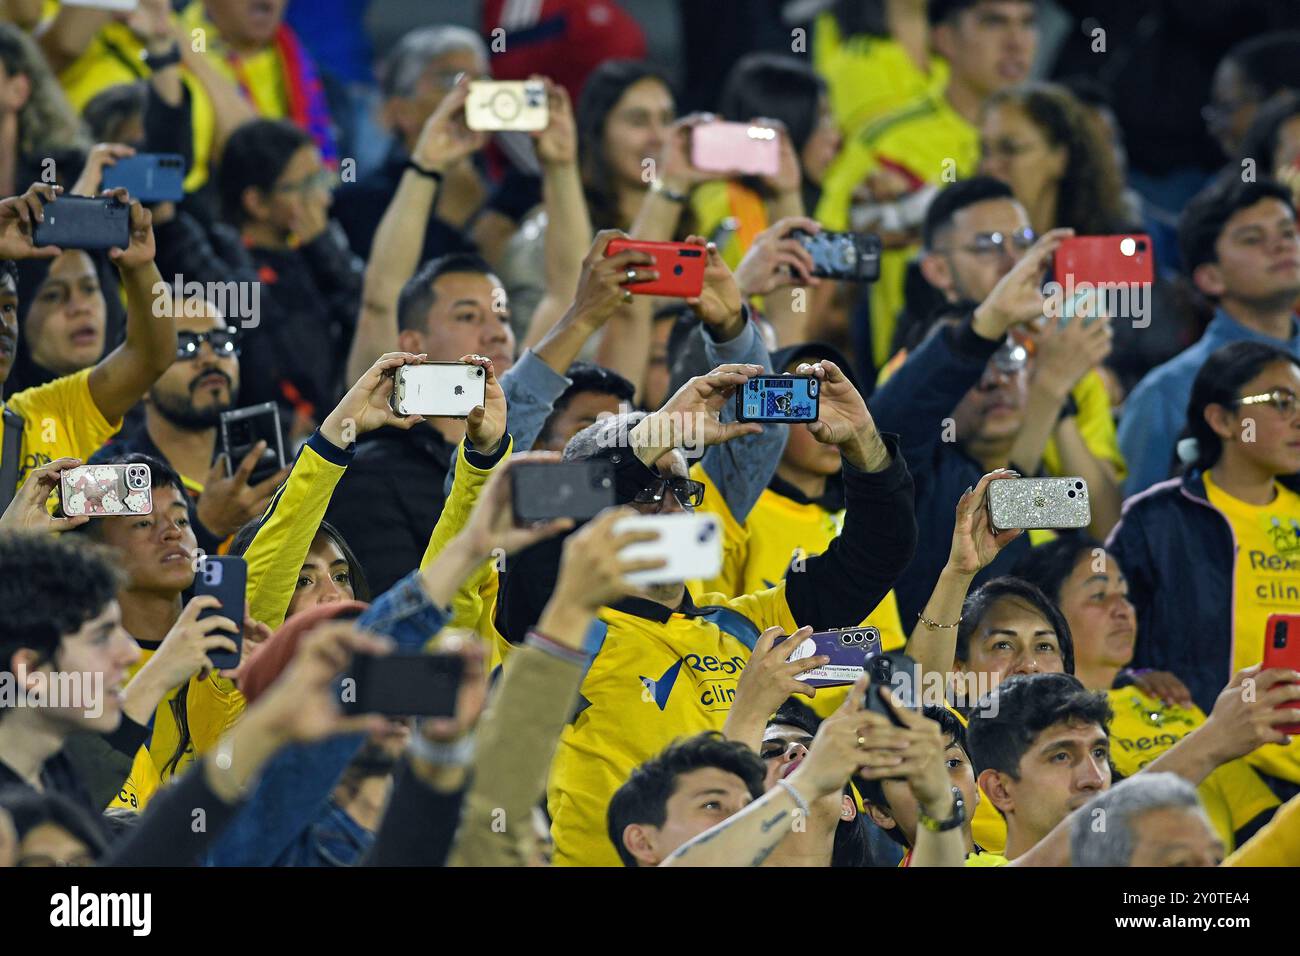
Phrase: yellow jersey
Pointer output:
(1266, 580)
(60, 419)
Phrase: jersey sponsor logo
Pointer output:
(661, 687)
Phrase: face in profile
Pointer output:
(702, 799)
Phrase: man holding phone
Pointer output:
(73, 415)
(666, 666)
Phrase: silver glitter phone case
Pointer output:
(1033, 503)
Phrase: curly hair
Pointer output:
(47, 122)
(1090, 196)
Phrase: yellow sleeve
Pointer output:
(60, 418)
(988, 827)
(766, 608)
(1277, 844)
(468, 605)
(1096, 425)
(276, 554)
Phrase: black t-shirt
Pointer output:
(57, 776)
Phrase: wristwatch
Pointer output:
(457, 753)
(657, 186)
(160, 61)
(955, 819)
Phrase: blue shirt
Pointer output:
(1155, 413)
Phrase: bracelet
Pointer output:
(657, 186)
(549, 645)
(955, 819)
(427, 173)
(929, 623)
(799, 801)
(458, 753)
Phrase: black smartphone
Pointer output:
(148, 177)
(544, 490)
(851, 256)
(225, 578)
(405, 685)
(785, 399)
(242, 428)
(85, 222)
(893, 670)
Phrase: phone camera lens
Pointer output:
(1079, 485)
(1072, 493)
(478, 373)
(677, 270)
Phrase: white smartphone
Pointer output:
(444, 389)
(496, 105)
(119, 5)
(691, 544)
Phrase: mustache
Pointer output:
(194, 385)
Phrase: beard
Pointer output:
(183, 413)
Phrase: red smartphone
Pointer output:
(1282, 649)
(680, 266)
(1127, 259)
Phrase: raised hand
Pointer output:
(140, 249)
(718, 304)
(974, 543)
(229, 502)
(28, 512)
(602, 286)
(843, 419)
(445, 139)
(367, 403)
(486, 424)
(1018, 296)
(491, 524)
(558, 143)
(18, 218)
(692, 415)
(776, 261)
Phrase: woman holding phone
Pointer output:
(1209, 556)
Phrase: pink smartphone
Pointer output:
(738, 148)
(106, 490)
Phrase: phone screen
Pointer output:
(778, 398)
(244, 428)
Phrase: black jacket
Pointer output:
(389, 500)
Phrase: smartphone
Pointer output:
(106, 490)
(848, 648)
(901, 674)
(242, 428)
(445, 389)
(738, 148)
(405, 685)
(543, 490)
(1104, 259)
(1282, 649)
(495, 105)
(900, 215)
(849, 256)
(148, 177)
(122, 6)
(1033, 503)
(778, 398)
(225, 578)
(690, 544)
(680, 266)
(85, 222)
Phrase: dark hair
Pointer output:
(953, 199)
(981, 600)
(49, 588)
(873, 791)
(417, 296)
(1260, 141)
(255, 155)
(584, 378)
(777, 86)
(604, 87)
(1088, 90)
(9, 270)
(796, 713)
(1006, 723)
(945, 11)
(1270, 62)
(644, 797)
(1217, 383)
(1204, 218)
(30, 810)
(108, 109)
(360, 586)
(1090, 195)
(1047, 566)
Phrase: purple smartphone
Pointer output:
(848, 648)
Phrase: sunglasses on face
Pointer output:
(689, 494)
(222, 341)
(1284, 400)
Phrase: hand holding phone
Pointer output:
(1282, 649)
(240, 430)
(442, 389)
(847, 256)
(897, 672)
(100, 491)
(1032, 503)
(544, 490)
(784, 399)
(690, 546)
(148, 177)
(405, 685)
(225, 578)
(848, 650)
(741, 149)
(496, 105)
(85, 222)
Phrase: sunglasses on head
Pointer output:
(223, 342)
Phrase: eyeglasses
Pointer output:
(689, 494)
(322, 179)
(222, 341)
(997, 243)
(1284, 400)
